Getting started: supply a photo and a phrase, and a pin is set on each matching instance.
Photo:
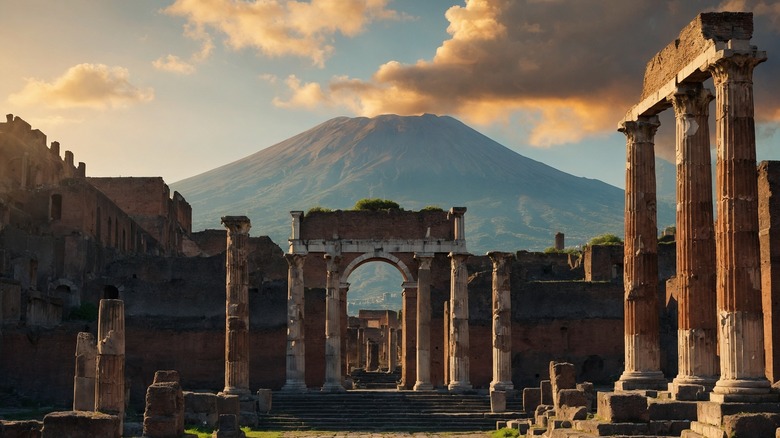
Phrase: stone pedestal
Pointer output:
(640, 275)
(459, 325)
(110, 368)
(332, 326)
(237, 307)
(502, 322)
(84, 377)
(423, 382)
(296, 346)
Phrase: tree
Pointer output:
(375, 204)
(606, 239)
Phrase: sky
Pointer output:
(175, 88)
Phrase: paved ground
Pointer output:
(303, 434)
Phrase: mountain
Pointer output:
(513, 202)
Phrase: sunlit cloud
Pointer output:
(282, 28)
(572, 69)
(174, 64)
(95, 86)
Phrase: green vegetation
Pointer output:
(205, 432)
(432, 208)
(552, 250)
(606, 239)
(86, 312)
(318, 209)
(375, 204)
(505, 433)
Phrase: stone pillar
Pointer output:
(423, 382)
(740, 337)
(296, 339)
(502, 321)
(640, 275)
(332, 326)
(409, 336)
(559, 241)
(446, 344)
(769, 236)
(110, 364)
(237, 307)
(84, 377)
(343, 323)
(392, 352)
(697, 335)
(459, 325)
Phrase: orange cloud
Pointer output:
(282, 28)
(174, 64)
(94, 86)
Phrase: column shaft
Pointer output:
(642, 344)
(502, 322)
(332, 326)
(237, 306)
(84, 376)
(736, 233)
(296, 340)
(459, 326)
(110, 364)
(423, 382)
(409, 333)
(697, 322)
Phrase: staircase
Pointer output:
(376, 410)
(375, 379)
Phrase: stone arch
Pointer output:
(388, 258)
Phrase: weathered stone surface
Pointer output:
(164, 414)
(21, 429)
(546, 389)
(497, 401)
(228, 404)
(714, 413)
(562, 376)
(264, 400)
(572, 413)
(237, 306)
(758, 425)
(228, 427)
(200, 408)
(84, 375)
(672, 410)
(572, 398)
(80, 424)
(540, 415)
(616, 407)
(590, 393)
(532, 397)
(521, 425)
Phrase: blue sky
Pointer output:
(176, 88)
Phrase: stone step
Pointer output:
(707, 430)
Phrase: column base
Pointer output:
(294, 386)
(240, 392)
(633, 380)
(333, 387)
(502, 386)
(423, 386)
(742, 390)
(459, 387)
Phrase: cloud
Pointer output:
(572, 68)
(174, 64)
(283, 28)
(95, 86)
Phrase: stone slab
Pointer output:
(80, 424)
(672, 410)
(547, 396)
(758, 425)
(621, 407)
(497, 401)
(713, 413)
(532, 397)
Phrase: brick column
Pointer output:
(296, 339)
(459, 325)
(423, 382)
(332, 326)
(237, 307)
(739, 277)
(110, 368)
(697, 335)
(502, 321)
(409, 336)
(640, 276)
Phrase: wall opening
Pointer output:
(55, 207)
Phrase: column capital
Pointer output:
(409, 285)
(737, 67)
(459, 256)
(457, 211)
(344, 285)
(237, 224)
(691, 100)
(332, 261)
(500, 258)
(424, 259)
(295, 260)
(642, 130)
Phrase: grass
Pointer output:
(505, 433)
(203, 432)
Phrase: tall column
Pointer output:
(502, 321)
(343, 324)
(84, 377)
(640, 276)
(296, 339)
(409, 333)
(391, 350)
(237, 306)
(737, 249)
(332, 326)
(423, 382)
(459, 325)
(110, 364)
(697, 335)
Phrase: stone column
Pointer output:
(343, 324)
(640, 275)
(697, 335)
(110, 364)
(296, 339)
(736, 233)
(237, 306)
(84, 377)
(423, 382)
(502, 321)
(332, 326)
(446, 343)
(409, 333)
(459, 325)
(391, 350)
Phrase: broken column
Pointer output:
(84, 376)
(640, 275)
(237, 307)
(296, 349)
(459, 324)
(110, 364)
(740, 337)
(423, 382)
(332, 326)
(502, 321)
(164, 413)
(697, 320)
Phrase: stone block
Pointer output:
(532, 397)
(162, 376)
(547, 395)
(713, 413)
(228, 404)
(622, 407)
(590, 393)
(21, 429)
(500, 424)
(671, 410)
(540, 415)
(753, 425)
(572, 413)
(264, 399)
(80, 424)
(601, 428)
(497, 401)
(164, 413)
(200, 408)
(685, 392)
(521, 426)
(562, 376)
(228, 427)
(572, 398)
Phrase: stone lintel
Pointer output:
(430, 246)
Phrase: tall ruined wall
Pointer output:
(378, 225)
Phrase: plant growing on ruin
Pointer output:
(505, 433)
(318, 209)
(375, 204)
(606, 239)
(431, 208)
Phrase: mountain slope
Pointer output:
(513, 202)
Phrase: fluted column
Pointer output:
(640, 276)
(110, 364)
(332, 326)
(237, 306)
(502, 321)
(409, 336)
(423, 382)
(736, 233)
(296, 339)
(459, 325)
(696, 318)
